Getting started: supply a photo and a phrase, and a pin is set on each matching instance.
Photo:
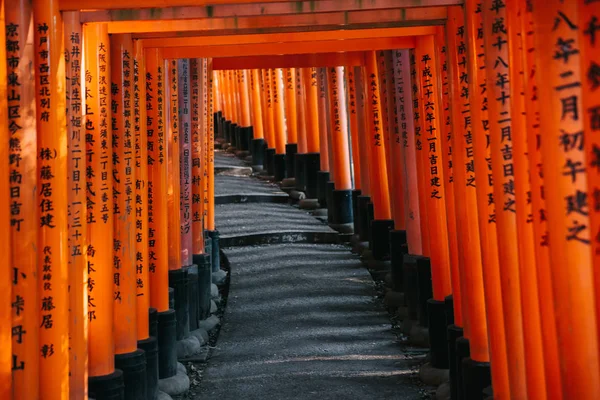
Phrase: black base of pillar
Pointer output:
(476, 377)
(290, 160)
(227, 131)
(258, 152)
(279, 167)
(411, 293)
(449, 305)
(153, 322)
(425, 289)
(178, 280)
(329, 188)
(207, 247)
(342, 204)
(380, 238)
(193, 296)
(269, 164)
(311, 168)
(242, 138)
(133, 366)
(363, 217)
(438, 338)
(454, 332)
(106, 387)
(322, 179)
(247, 138)
(300, 166)
(355, 194)
(398, 249)
(150, 347)
(370, 218)
(204, 284)
(167, 339)
(215, 256)
(463, 351)
(235, 129)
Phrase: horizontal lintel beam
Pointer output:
(353, 58)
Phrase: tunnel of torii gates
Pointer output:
(460, 139)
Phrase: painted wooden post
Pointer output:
(326, 150)
(22, 160)
(301, 113)
(562, 120)
(290, 106)
(485, 205)
(185, 161)
(211, 149)
(354, 130)
(123, 172)
(339, 128)
(270, 134)
(245, 100)
(257, 106)
(158, 258)
(385, 125)
(311, 113)
(197, 158)
(364, 149)
(76, 196)
(279, 110)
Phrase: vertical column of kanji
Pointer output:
(238, 97)
(530, 300)
(311, 113)
(78, 324)
(158, 261)
(270, 134)
(565, 187)
(291, 122)
(196, 138)
(103, 377)
(447, 166)
(204, 134)
(258, 141)
(123, 171)
(5, 261)
(420, 188)
(431, 112)
(185, 163)
(280, 133)
(300, 158)
(465, 201)
(385, 126)
(141, 193)
(246, 128)
(264, 102)
(211, 151)
(503, 172)
(395, 146)
(324, 127)
(24, 222)
(589, 22)
(382, 222)
(538, 203)
(354, 130)
(486, 210)
(407, 151)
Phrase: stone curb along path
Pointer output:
(302, 320)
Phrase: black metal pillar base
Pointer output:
(342, 204)
(438, 338)
(106, 387)
(355, 194)
(150, 347)
(322, 179)
(133, 366)
(269, 162)
(398, 249)
(258, 153)
(152, 322)
(290, 160)
(300, 166)
(215, 256)
(235, 135)
(193, 296)
(380, 238)
(311, 168)
(329, 188)
(167, 339)
(279, 167)
(411, 293)
(204, 283)
(425, 289)
(476, 377)
(363, 217)
(463, 351)
(454, 332)
(178, 280)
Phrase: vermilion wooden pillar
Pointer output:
(300, 113)
(364, 131)
(210, 148)
(257, 109)
(486, 208)
(309, 80)
(290, 106)
(185, 161)
(197, 158)
(24, 220)
(270, 111)
(76, 196)
(354, 130)
(562, 116)
(326, 149)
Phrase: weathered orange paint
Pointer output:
(290, 105)
(257, 110)
(278, 104)
(339, 129)
(300, 113)
(354, 130)
(311, 112)
(210, 172)
(326, 150)
(270, 113)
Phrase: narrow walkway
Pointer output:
(301, 321)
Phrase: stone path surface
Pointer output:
(301, 320)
